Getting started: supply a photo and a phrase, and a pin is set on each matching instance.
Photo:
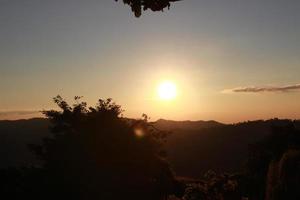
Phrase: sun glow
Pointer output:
(167, 91)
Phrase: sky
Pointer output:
(231, 60)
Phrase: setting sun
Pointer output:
(167, 90)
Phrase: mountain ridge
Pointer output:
(193, 147)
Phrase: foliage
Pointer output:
(215, 187)
(266, 156)
(155, 5)
(96, 153)
(272, 170)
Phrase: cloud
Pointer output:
(21, 112)
(255, 89)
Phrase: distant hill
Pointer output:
(192, 152)
(14, 137)
(185, 125)
(193, 147)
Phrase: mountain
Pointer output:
(14, 138)
(192, 152)
(193, 146)
(171, 125)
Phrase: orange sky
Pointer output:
(97, 49)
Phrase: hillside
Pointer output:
(193, 146)
(14, 137)
(221, 147)
(172, 125)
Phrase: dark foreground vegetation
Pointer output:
(138, 6)
(95, 153)
(271, 171)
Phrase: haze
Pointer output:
(223, 56)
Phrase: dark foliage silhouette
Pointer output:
(137, 6)
(208, 145)
(274, 165)
(272, 171)
(85, 157)
(94, 153)
(215, 186)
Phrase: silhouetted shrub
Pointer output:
(95, 153)
(215, 187)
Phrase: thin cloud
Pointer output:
(254, 89)
(6, 113)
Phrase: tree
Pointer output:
(95, 153)
(271, 166)
(155, 5)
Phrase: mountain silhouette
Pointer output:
(193, 147)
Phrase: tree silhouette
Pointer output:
(96, 153)
(137, 6)
(272, 164)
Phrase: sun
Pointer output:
(167, 90)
